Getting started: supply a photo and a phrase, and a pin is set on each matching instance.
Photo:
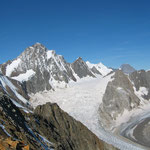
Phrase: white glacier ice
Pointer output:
(82, 100)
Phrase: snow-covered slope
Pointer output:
(15, 91)
(81, 100)
(102, 69)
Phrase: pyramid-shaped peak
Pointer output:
(127, 68)
(38, 45)
(79, 59)
(34, 51)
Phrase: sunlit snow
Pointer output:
(24, 76)
(100, 67)
(10, 68)
(82, 100)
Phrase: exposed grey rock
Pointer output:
(48, 69)
(119, 96)
(95, 71)
(141, 79)
(81, 68)
(126, 68)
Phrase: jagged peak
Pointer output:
(79, 59)
(37, 48)
(37, 44)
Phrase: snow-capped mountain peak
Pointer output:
(102, 69)
(42, 69)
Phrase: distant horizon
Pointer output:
(112, 32)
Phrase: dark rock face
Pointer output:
(60, 128)
(95, 71)
(81, 68)
(39, 82)
(119, 96)
(13, 123)
(126, 68)
(141, 79)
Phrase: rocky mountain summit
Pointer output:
(41, 69)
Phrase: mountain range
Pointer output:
(49, 103)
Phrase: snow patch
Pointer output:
(24, 76)
(10, 68)
(141, 92)
(50, 53)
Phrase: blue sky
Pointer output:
(109, 31)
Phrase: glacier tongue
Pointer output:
(81, 100)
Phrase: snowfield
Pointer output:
(82, 100)
(25, 76)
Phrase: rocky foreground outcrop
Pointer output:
(10, 144)
(47, 127)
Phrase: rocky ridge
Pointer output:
(47, 127)
(40, 69)
(123, 94)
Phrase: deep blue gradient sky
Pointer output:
(109, 31)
